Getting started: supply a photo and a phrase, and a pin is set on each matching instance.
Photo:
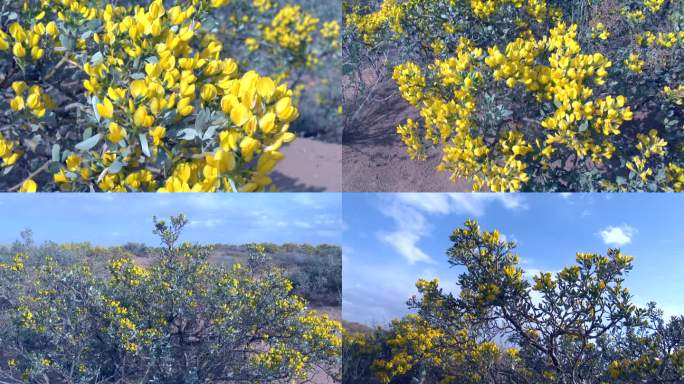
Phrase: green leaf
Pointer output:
(87, 133)
(55, 152)
(584, 126)
(143, 143)
(188, 134)
(211, 131)
(97, 58)
(54, 167)
(115, 167)
(89, 143)
(67, 41)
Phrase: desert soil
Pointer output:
(310, 166)
(374, 158)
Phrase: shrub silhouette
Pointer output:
(180, 320)
(577, 326)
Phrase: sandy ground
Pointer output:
(310, 166)
(375, 160)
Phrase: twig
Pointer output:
(31, 176)
(53, 71)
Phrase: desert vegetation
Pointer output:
(187, 95)
(177, 313)
(576, 326)
(531, 95)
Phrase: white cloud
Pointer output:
(207, 223)
(476, 203)
(411, 225)
(406, 244)
(428, 202)
(471, 203)
(618, 236)
(565, 195)
(302, 224)
(409, 210)
(376, 294)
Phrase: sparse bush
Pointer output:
(319, 276)
(180, 320)
(540, 95)
(578, 326)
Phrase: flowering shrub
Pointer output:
(578, 325)
(181, 319)
(154, 95)
(540, 95)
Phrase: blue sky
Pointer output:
(391, 240)
(111, 219)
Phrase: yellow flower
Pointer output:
(158, 133)
(29, 186)
(51, 29)
(60, 177)
(208, 92)
(73, 162)
(17, 103)
(141, 118)
(229, 140)
(265, 87)
(138, 88)
(240, 115)
(267, 122)
(105, 109)
(18, 50)
(116, 133)
(285, 110)
(222, 160)
(247, 147)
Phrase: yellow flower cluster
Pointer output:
(565, 82)
(391, 12)
(649, 146)
(31, 98)
(675, 95)
(633, 15)
(178, 84)
(291, 28)
(539, 10)
(412, 342)
(653, 5)
(322, 331)
(476, 123)
(281, 355)
(164, 108)
(634, 63)
(124, 271)
(8, 155)
(331, 31)
(17, 265)
(599, 31)
(29, 44)
(666, 40)
(449, 119)
(411, 82)
(410, 135)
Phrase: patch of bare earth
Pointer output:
(374, 158)
(309, 166)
